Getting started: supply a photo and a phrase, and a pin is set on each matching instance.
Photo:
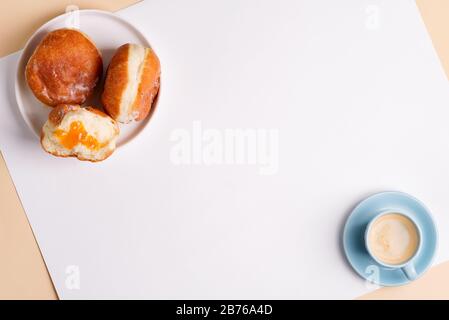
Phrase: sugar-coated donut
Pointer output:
(64, 68)
(74, 131)
(132, 83)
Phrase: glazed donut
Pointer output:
(64, 68)
(132, 83)
(74, 131)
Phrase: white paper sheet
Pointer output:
(359, 100)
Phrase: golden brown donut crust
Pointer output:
(117, 80)
(64, 68)
(57, 114)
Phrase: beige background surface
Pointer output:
(23, 274)
(432, 285)
(20, 18)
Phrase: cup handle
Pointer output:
(410, 272)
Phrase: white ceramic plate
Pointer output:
(108, 31)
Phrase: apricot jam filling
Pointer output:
(77, 134)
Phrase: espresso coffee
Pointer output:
(393, 239)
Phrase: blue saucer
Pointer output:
(354, 243)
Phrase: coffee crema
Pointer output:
(393, 239)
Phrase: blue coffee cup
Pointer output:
(407, 266)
